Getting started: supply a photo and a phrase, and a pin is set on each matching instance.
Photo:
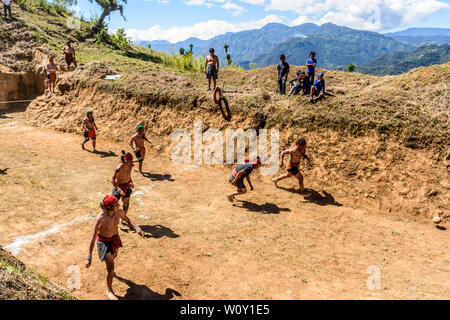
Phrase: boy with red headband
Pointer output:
(106, 234)
(123, 184)
(89, 128)
(237, 177)
(295, 155)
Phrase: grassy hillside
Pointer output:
(400, 62)
(17, 282)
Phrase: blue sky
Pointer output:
(176, 20)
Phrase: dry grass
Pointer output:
(17, 282)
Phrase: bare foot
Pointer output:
(111, 295)
(276, 182)
(230, 198)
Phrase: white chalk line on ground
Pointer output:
(16, 246)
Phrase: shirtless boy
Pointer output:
(137, 143)
(123, 184)
(106, 233)
(69, 53)
(295, 155)
(52, 69)
(89, 128)
(237, 177)
(212, 68)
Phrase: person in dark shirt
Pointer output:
(237, 177)
(301, 84)
(282, 74)
(318, 88)
(311, 64)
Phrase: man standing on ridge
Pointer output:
(69, 53)
(123, 185)
(106, 234)
(89, 128)
(295, 155)
(51, 69)
(212, 68)
(282, 74)
(137, 143)
(7, 8)
(311, 64)
(237, 177)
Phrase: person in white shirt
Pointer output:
(7, 7)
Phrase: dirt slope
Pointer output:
(272, 244)
(371, 168)
(17, 282)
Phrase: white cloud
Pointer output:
(361, 14)
(200, 3)
(202, 30)
(237, 10)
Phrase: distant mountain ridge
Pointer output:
(244, 46)
(420, 36)
(336, 46)
(400, 62)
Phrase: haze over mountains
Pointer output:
(336, 46)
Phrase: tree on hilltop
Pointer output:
(108, 6)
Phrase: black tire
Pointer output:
(226, 114)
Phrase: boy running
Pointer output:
(137, 143)
(212, 68)
(89, 128)
(318, 88)
(237, 177)
(311, 64)
(106, 234)
(123, 185)
(52, 69)
(295, 155)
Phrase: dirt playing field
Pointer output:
(273, 244)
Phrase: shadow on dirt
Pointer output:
(441, 228)
(3, 171)
(322, 200)
(142, 292)
(104, 154)
(267, 208)
(157, 176)
(158, 231)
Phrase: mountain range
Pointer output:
(336, 46)
(400, 62)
